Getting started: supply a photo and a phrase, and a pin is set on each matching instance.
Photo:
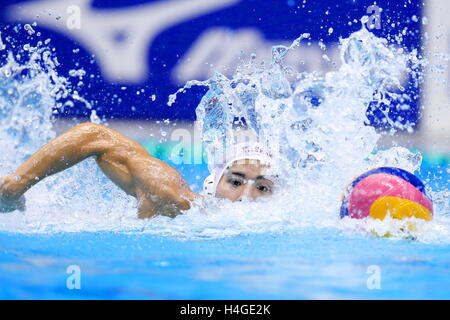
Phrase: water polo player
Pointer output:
(158, 187)
(246, 172)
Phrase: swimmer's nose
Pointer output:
(246, 193)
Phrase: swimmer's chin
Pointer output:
(7, 205)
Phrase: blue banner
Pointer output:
(134, 53)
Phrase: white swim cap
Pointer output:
(240, 151)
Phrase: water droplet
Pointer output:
(29, 29)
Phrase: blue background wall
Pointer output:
(275, 19)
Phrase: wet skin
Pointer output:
(158, 187)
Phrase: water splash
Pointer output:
(302, 121)
(31, 91)
(313, 123)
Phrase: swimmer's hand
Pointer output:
(159, 188)
(7, 203)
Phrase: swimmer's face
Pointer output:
(244, 179)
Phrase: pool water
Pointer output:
(309, 263)
(80, 237)
(312, 264)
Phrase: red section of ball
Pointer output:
(379, 185)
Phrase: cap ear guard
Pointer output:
(209, 185)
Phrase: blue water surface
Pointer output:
(312, 264)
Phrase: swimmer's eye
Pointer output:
(235, 182)
(263, 188)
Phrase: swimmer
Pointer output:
(158, 187)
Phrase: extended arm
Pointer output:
(159, 188)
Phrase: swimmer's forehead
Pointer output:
(250, 169)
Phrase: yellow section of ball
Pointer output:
(398, 208)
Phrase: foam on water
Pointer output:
(314, 125)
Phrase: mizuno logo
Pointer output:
(119, 38)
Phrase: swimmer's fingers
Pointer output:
(9, 200)
(12, 205)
